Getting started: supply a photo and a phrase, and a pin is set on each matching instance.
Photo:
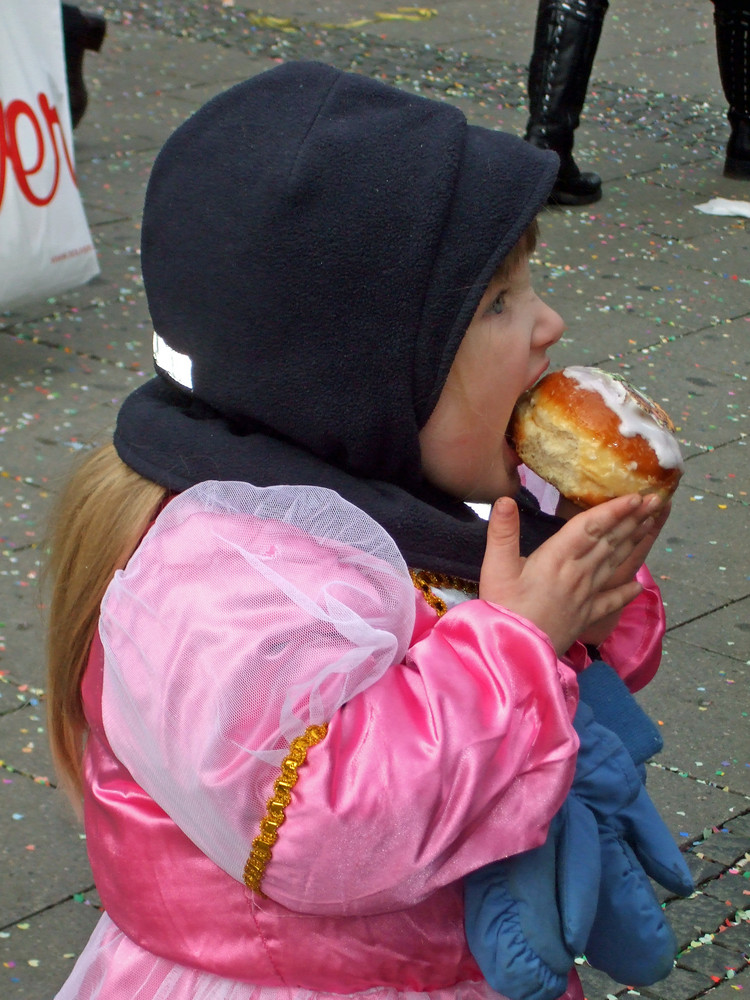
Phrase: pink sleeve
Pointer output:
(457, 757)
(634, 647)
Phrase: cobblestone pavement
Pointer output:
(648, 285)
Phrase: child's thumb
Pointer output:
(502, 559)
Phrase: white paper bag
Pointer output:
(45, 243)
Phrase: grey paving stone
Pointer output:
(24, 744)
(701, 179)
(701, 870)
(667, 215)
(726, 631)
(117, 332)
(720, 348)
(105, 287)
(730, 988)
(114, 186)
(659, 234)
(703, 547)
(144, 128)
(24, 510)
(681, 984)
(492, 112)
(688, 806)
(15, 695)
(739, 824)
(38, 953)
(612, 313)
(735, 935)
(711, 960)
(723, 472)
(733, 885)
(697, 698)
(709, 408)
(701, 914)
(665, 283)
(623, 155)
(136, 62)
(683, 604)
(42, 850)
(597, 985)
(474, 26)
(22, 666)
(726, 849)
(117, 246)
(52, 404)
(21, 616)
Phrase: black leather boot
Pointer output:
(732, 23)
(565, 43)
(81, 31)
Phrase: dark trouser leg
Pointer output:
(732, 23)
(565, 42)
(81, 31)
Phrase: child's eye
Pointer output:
(498, 305)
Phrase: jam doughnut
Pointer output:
(594, 437)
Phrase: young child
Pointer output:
(302, 689)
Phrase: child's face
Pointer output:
(504, 351)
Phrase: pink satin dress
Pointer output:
(459, 754)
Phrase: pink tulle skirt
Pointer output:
(112, 967)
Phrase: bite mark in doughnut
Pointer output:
(594, 437)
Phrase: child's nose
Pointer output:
(551, 326)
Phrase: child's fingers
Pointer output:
(616, 519)
(502, 560)
(631, 541)
(598, 540)
(645, 537)
(612, 601)
(610, 535)
(581, 575)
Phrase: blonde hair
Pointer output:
(100, 517)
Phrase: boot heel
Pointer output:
(737, 170)
(732, 25)
(566, 38)
(95, 30)
(81, 32)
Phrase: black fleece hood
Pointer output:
(314, 246)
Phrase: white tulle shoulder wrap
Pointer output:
(245, 616)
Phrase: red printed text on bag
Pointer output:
(46, 133)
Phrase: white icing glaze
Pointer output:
(635, 418)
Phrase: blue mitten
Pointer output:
(585, 890)
(528, 916)
(630, 939)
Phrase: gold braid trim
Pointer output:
(424, 580)
(260, 854)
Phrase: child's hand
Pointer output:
(597, 632)
(579, 578)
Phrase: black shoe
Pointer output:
(737, 163)
(573, 186)
(566, 38)
(81, 31)
(732, 23)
